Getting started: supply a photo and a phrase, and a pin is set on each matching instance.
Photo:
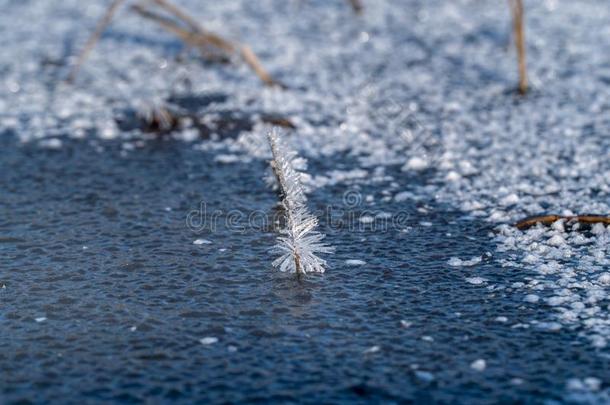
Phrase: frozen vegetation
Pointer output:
(301, 242)
(427, 88)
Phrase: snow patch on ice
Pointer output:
(355, 262)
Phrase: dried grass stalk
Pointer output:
(550, 219)
(211, 38)
(95, 36)
(519, 34)
(201, 38)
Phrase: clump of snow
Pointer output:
(366, 219)
(457, 262)
(510, 199)
(404, 196)
(372, 349)
(604, 279)
(52, 143)
(476, 280)
(424, 376)
(557, 241)
(478, 365)
(226, 158)
(416, 163)
(569, 275)
(405, 324)
(201, 242)
(588, 383)
(208, 340)
(549, 326)
(355, 262)
(531, 298)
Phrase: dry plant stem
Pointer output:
(297, 264)
(550, 219)
(519, 34)
(295, 254)
(250, 58)
(190, 38)
(212, 39)
(283, 191)
(95, 36)
(356, 6)
(172, 9)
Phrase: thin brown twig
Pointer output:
(250, 58)
(95, 36)
(519, 34)
(213, 39)
(190, 38)
(229, 47)
(550, 219)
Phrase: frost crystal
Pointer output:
(300, 242)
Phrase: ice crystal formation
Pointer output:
(299, 165)
(300, 242)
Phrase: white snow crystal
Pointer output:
(201, 242)
(372, 349)
(557, 241)
(510, 199)
(367, 219)
(556, 300)
(476, 280)
(604, 279)
(575, 384)
(457, 262)
(549, 326)
(452, 176)
(403, 196)
(405, 324)
(52, 143)
(415, 163)
(209, 340)
(478, 365)
(224, 158)
(598, 229)
(599, 342)
(531, 298)
(593, 383)
(425, 376)
(355, 262)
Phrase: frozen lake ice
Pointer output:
(420, 153)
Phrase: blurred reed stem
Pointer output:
(519, 35)
(94, 37)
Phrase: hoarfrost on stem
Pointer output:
(300, 242)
